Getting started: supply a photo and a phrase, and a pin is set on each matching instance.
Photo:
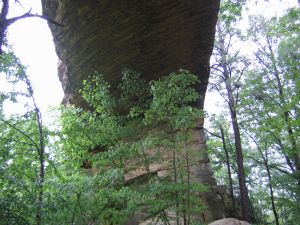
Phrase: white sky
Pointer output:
(32, 42)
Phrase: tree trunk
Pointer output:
(3, 22)
(228, 167)
(41, 152)
(245, 202)
(266, 164)
(271, 192)
(41, 172)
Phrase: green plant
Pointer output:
(115, 134)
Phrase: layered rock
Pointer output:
(150, 36)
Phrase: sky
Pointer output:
(33, 44)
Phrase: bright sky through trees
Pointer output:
(271, 8)
(32, 41)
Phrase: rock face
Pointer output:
(149, 36)
(154, 37)
(229, 221)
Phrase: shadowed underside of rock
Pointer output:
(150, 36)
(154, 37)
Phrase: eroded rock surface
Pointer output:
(150, 36)
(154, 37)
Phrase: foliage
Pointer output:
(230, 11)
(22, 156)
(111, 139)
(102, 145)
(267, 98)
(100, 167)
(124, 129)
(271, 103)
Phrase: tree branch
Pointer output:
(21, 132)
(28, 15)
(213, 134)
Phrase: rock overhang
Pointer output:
(150, 36)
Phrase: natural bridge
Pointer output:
(149, 36)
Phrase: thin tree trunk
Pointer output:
(42, 169)
(41, 152)
(231, 101)
(188, 176)
(271, 193)
(228, 167)
(175, 181)
(3, 22)
(266, 164)
(245, 202)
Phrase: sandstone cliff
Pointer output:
(150, 36)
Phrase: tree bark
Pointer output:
(225, 70)
(245, 202)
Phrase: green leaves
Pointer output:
(266, 100)
(96, 92)
(22, 155)
(116, 134)
(172, 97)
(134, 92)
(13, 80)
(87, 175)
(230, 11)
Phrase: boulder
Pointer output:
(229, 221)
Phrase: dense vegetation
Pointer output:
(55, 174)
(257, 152)
(59, 179)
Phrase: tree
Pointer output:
(143, 131)
(20, 135)
(104, 145)
(283, 81)
(227, 72)
(276, 84)
(224, 153)
(270, 107)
